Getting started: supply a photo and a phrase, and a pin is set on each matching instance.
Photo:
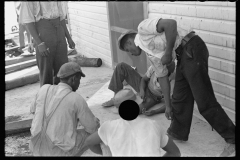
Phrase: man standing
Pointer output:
(46, 23)
(21, 31)
(58, 110)
(162, 41)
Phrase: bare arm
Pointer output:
(169, 26)
(67, 35)
(143, 85)
(93, 142)
(165, 85)
(171, 149)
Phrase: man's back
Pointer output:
(62, 108)
(140, 137)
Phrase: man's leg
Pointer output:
(61, 55)
(45, 64)
(203, 92)
(123, 72)
(21, 37)
(182, 106)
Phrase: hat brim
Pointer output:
(82, 74)
(121, 37)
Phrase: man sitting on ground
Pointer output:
(147, 86)
(58, 109)
(138, 137)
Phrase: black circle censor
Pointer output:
(128, 110)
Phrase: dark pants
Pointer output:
(52, 33)
(192, 82)
(125, 72)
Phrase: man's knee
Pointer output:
(121, 65)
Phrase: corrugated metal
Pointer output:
(215, 23)
(90, 29)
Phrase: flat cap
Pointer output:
(68, 69)
(121, 37)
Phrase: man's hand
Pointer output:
(142, 94)
(43, 50)
(166, 58)
(71, 43)
(149, 112)
(168, 113)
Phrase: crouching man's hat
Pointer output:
(68, 69)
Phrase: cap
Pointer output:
(68, 69)
(121, 37)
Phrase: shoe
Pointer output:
(108, 103)
(228, 151)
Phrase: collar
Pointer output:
(65, 85)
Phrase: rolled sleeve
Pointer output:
(86, 117)
(27, 13)
(148, 26)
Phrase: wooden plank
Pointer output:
(96, 16)
(93, 22)
(227, 27)
(218, 39)
(146, 9)
(222, 52)
(92, 34)
(18, 126)
(223, 89)
(19, 66)
(210, 12)
(222, 77)
(110, 37)
(93, 41)
(222, 65)
(94, 9)
(89, 27)
(118, 29)
(18, 60)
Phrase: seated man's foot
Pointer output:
(20, 50)
(228, 151)
(108, 103)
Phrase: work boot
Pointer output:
(228, 151)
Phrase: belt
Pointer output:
(187, 38)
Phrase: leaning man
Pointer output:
(58, 110)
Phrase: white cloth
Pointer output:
(62, 127)
(154, 43)
(139, 137)
(34, 11)
(153, 84)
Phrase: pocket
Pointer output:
(189, 51)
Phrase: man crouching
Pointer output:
(58, 109)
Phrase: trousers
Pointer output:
(52, 33)
(192, 83)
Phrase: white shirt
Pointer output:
(62, 127)
(154, 43)
(153, 84)
(34, 11)
(139, 137)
